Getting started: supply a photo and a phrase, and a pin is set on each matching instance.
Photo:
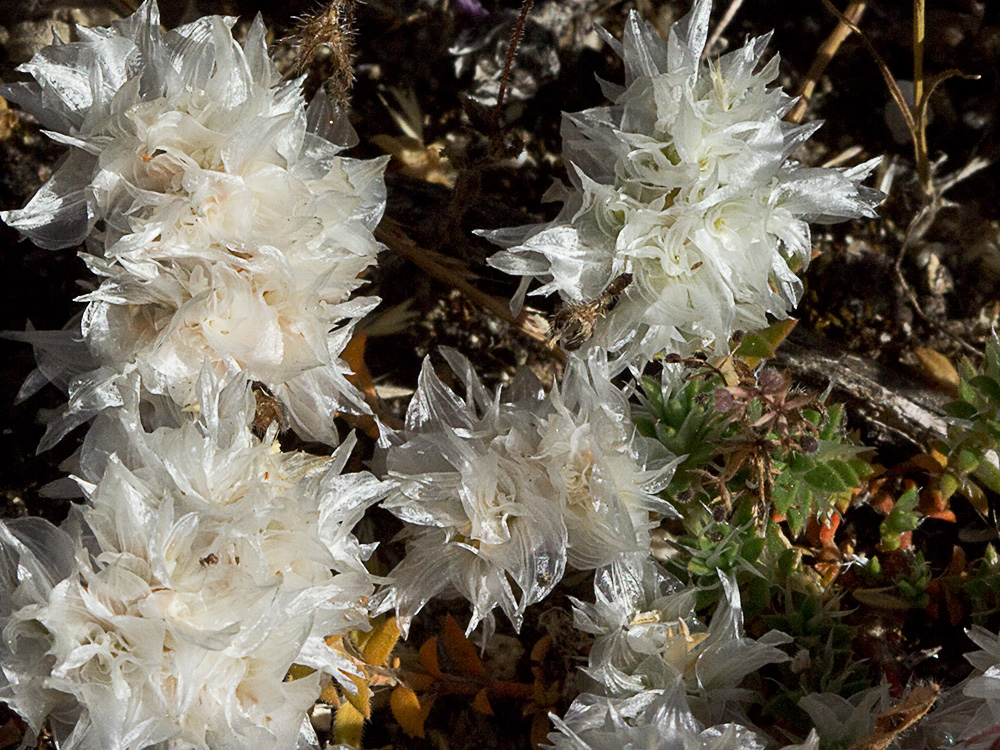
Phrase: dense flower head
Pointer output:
(500, 490)
(653, 720)
(218, 214)
(685, 185)
(648, 637)
(208, 564)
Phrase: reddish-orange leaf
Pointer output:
(429, 656)
(482, 704)
(409, 711)
(828, 530)
(541, 648)
(461, 651)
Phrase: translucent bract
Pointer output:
(685, 182)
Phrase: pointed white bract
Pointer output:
(686, 183)
(654, 719)
(221, 219)
(648, 637)
(208, 564)
(500, 490)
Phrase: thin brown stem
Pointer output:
(515, 40)
(824, 55)
(393, 235)
(727, 18)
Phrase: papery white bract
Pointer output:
(685, 183)
(213, 563)
(604, 473)
(505, 488)
(653, 719)
(477, 517)
(230, 228)
(648, 636)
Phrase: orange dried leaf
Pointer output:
(541, 648)
(354, 356)
(540, 727)
(482, 704)
(409, 711)
(429, 656)
(461, 651)
(381, 643)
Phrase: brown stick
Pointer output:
(393, 235)
(824, 55)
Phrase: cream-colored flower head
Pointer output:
(655, 719)
(208, 564)
(218, 213)
(648, 637)
(500, 491)
(685, 183)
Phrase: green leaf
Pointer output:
(751, 549)
(987, 386)
(826, 478)
(764, 344)
(961, 410)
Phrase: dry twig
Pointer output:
(392, 234)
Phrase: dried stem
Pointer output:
(720, 29)
(824, 55)
(919, 102)
(393, 235)
(515, 39)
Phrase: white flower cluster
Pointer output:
(499, 491)
(968, 715)
(653, 719)
(207, 565)
(216, 209)
(685, 184)
(189, 604)
(648, 637)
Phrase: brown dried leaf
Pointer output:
(461, 651)
(892, 722)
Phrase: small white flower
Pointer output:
(967, 715)
(212, 563)
(654, 719)
(649, 636)
(507, 488)
(685, 183)
(604, 473)
(218, 212)
(474, 500)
